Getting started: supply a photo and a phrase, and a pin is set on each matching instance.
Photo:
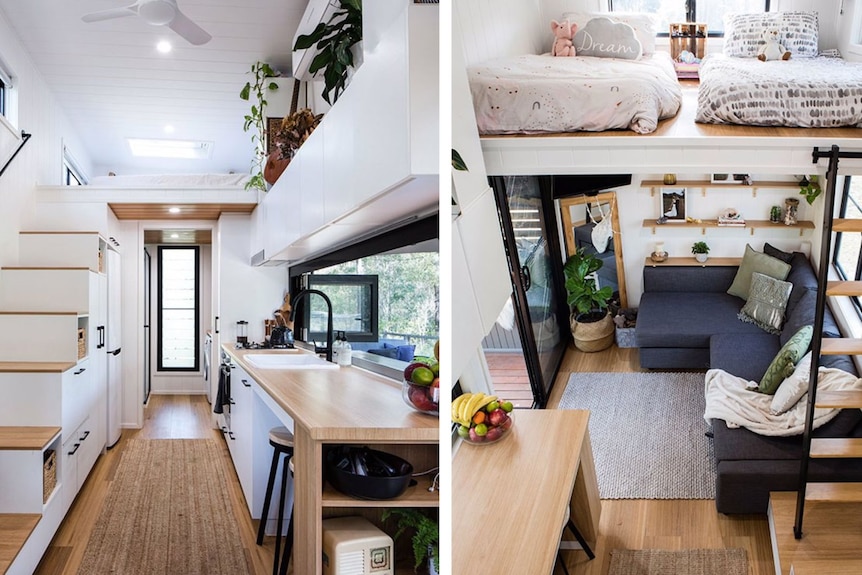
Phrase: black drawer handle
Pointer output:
(80, 371)
(230, 434)
(231, 401)
(223, 429)
(77, 445)
(245, 382)
(86, 435)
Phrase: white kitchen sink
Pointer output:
(288, 361)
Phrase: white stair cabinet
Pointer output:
(373, 160)
(37, 336)
(62, 249)
(23, 453)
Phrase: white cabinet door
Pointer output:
(467, 334)
(88, 451)
(77, 394)
(239, 437)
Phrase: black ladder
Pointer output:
(821, 447)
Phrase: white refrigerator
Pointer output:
(113, 348)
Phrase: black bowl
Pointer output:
(367, 473)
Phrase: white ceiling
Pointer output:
(113, 84)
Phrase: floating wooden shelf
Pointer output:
(841, 346)
(690, 261)
(827, 447)
(707, 185)
(416, 496)
(751, 225)
(27, 438)
(839, 399)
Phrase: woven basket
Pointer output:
(82, 344)
(593, 336)
(49, 474)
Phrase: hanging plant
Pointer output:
(294, 131)
(333, 41)
(255, 119)
(810, 188)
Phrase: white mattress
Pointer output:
(534, 94)
(172, 181)
(801, 92)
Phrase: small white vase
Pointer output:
(701, 258)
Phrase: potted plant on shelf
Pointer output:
(333, 41)
(700, 251)
(810, 188)
(426, 535)
(591, 324)
(256, 119)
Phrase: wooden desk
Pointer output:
(511, 499)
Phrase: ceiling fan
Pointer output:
(157, 13)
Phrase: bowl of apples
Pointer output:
(482, 419)
(420, 388)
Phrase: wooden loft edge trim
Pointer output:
(27, 438)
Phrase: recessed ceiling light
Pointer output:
(169, 129)
(175, 236)
(164, 47)
(177, 149)
(174, 210)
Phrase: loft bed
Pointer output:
(174, 181)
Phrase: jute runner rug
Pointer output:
(685, 562)
(168, 511)
(647, 432)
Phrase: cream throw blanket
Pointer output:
(728, 398)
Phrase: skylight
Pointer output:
(178, 149)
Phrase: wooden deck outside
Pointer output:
(509, 375)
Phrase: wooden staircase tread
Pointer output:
(6, 312)
(846, 225)
(843, 288)
(54, 232)
(15, 529)
(36, 366)
(839, 399)
(841, 346)
(829, 491)
(836, 447)
(29, 438)
(44, 268)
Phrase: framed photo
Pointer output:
(673, 205)
(272, 126)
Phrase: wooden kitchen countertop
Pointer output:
(346, 405)
(36, 366)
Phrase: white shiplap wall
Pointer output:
(41, 159)
(827, 13)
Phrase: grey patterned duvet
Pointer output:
(801, 92)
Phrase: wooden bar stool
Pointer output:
(288, 543)
(281, 440)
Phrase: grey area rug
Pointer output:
(167, 511)
(684, 562)
(647, 432)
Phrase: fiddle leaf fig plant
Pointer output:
(582, 294)
(255, 121)
(333, 41)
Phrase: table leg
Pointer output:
(586, 507)
(308, 485)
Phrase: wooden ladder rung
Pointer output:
(846, 225)
(844, 288)
(830, 491)
(841, 346)
(836, 447)
(839, 399)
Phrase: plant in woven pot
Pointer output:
(592, 326)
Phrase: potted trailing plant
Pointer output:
(775, 214)
(333, 41)
(810, 188)
(426, 535)
(255, 120)
(591, 324)
(700, 251)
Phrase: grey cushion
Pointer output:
(766, 303)
(802, 277)
(803, 314)
(773, 251)
(754, 261)
(743, 355)
(709, 279)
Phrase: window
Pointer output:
(178, 308)
(710, 12)
(847, 256)
(399, 268)
(72, 174)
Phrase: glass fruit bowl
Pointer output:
(423, 398)
(489, 424)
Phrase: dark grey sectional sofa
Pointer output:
(686, 320)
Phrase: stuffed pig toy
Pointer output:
(563, 34)
(772, 50)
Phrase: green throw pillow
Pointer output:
(766, 303)
(754, 261)
(785, 360)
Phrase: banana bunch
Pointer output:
(465, 406)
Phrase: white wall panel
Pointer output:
(827, 13)
(496, 28)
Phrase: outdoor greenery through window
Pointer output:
(709, 12)
(847, 256)
(408, 299)
(178, 308)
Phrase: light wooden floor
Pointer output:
(166, 417)
(658, 524)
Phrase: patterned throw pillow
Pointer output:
(743, 33)
(754, 261)
(785, 360)
(643, 24)
(767, 300)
